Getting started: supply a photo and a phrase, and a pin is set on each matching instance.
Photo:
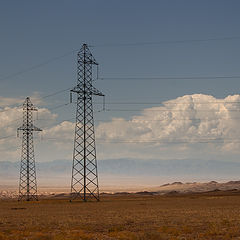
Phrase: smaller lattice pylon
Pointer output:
(28, 182)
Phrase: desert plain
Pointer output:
(142, 216)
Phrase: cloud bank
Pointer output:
(188, 124)
(191, 126)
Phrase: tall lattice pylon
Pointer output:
(84, 184)
(28, 183)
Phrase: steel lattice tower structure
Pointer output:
(28, 183)
(84, 184)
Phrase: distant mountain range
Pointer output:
(179, 187)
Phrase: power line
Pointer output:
(166, 110)
(15, 120)
(167, 78)
(39, 65)
(47, 96)
(133, 120)
(143, 120)
(55, 93)
(10, 136)
(161, 120)
(9, 125)
(163, 141)
(165, 42)
(166, 103)
(36, 66)
(180, 140)
(11, 148)
(59, 106)
(10, 108)
(59, 122)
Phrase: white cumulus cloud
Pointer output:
(177, 125)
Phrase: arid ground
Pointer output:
(212, 215)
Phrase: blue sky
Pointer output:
(34, 32)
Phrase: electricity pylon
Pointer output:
(84, 184)
(28, 183)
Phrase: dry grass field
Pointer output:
(213, 215)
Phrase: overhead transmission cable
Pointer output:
(154, 110)
(166, 78)
(165, 42)
(163, 141)
(11, 123)
(166, 119)
(55, 93)
(166, 110)
(166, 103)
(49, 95)
(12, 148)
(50, 60)
(39, 65)
(9, 136)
